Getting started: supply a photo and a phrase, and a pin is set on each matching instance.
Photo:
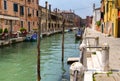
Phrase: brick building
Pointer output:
(16, 14)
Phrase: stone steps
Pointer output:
(88, 76)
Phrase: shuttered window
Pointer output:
(21, 10)
(15, 7)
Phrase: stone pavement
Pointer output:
(114, 56)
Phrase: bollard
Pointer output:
(83, 59)
(76, 71)
(96, 41)
(105, 57)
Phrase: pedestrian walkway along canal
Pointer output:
(18, 61)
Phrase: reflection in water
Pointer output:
(18, 62)
(63, 74)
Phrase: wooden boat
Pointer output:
(33, 37)
(78, 35)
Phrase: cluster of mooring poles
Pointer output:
(38, 44)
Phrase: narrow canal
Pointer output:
(18, 62)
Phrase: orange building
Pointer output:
(16, 14)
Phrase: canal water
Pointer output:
(18, 61)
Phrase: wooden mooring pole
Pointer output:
(38, 47)
(63, 40)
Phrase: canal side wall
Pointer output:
(11, 41)
(94, 68)
(21, 39)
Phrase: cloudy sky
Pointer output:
(82, 8)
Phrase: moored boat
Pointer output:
(33, 37)
(78, 35)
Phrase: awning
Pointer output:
(9, 17)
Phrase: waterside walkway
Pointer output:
(114, 57)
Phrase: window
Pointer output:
(6, 22)
(37, 13)
(21, 10)
(29, 14)
(33, 23)
(15, 7)
(29, 1)
(33, 12)
(21, 24)
(5, 4)
(28, 10)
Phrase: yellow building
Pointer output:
(111, 17)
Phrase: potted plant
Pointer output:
(23, 31)
(5, 34)
(5, 30)
(98, 23)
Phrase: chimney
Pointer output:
(93, 6)
(46, 5)
(50, 7)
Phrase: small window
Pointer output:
(37, 13)
(5, 4)
(15, 7)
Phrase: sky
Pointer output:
(82, 8)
